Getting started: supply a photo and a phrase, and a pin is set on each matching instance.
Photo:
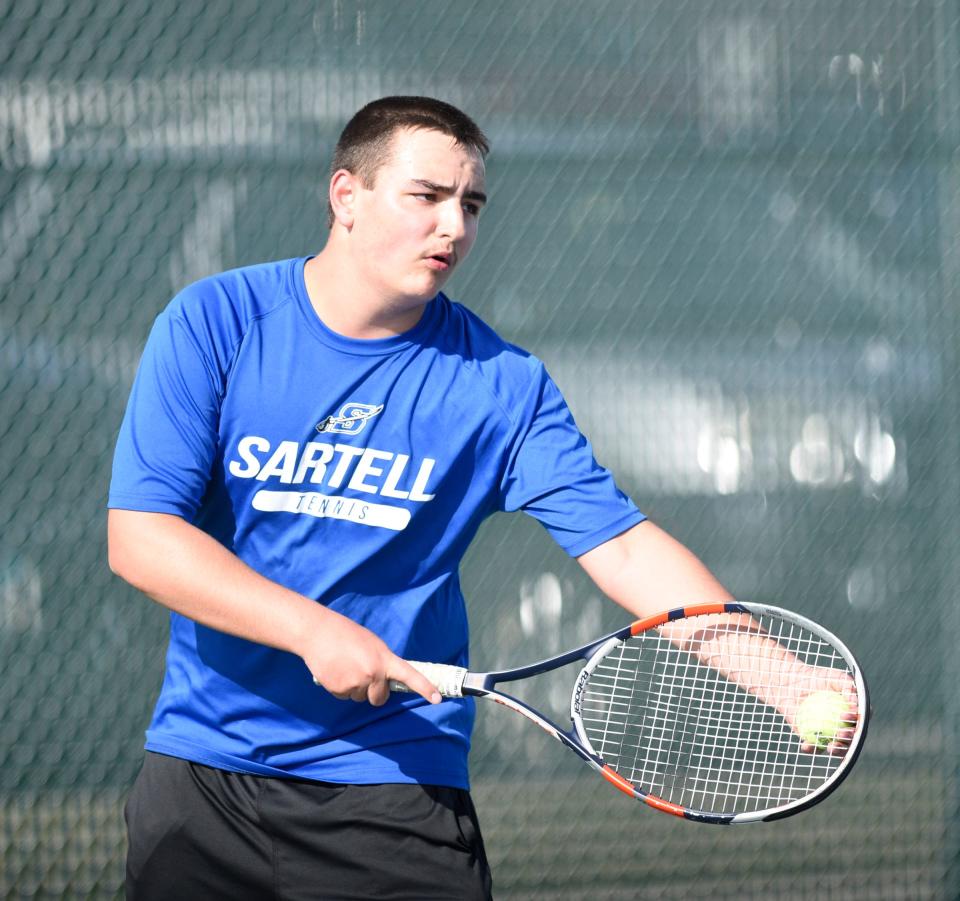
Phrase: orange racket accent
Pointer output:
(651, 622)
(641, 625)
(665, 806)
(698, 609)
(616, 779)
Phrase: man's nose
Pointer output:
(452, 224)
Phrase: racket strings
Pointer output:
(681, 730)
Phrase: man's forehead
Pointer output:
(429, 155)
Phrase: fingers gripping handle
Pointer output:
(448, 679)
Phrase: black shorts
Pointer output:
(201, 833)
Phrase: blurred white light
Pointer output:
(787, 333)
(866, 589)
(541, 606)
(878, 357)
(21, 597)
(816, 459)
(738, 80)
(783, 207)
(720, 457)
(876, 451)
(590, 622)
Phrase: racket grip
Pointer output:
(447, 678)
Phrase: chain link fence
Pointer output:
(729, 228)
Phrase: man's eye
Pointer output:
(425, 196)
(472, 208)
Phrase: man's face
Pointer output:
(418, 220)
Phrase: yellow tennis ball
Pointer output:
(821, 716)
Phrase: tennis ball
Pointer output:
(820, 717)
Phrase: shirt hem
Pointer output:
(146, 505)
(366, 775)
(611, 531)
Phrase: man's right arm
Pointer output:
(184, 569)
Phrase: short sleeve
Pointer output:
(168, 438)
(552, 475)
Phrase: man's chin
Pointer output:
(425, 291)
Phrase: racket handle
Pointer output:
(447, 678)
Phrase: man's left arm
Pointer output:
(646, 571)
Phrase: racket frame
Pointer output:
(459, 682)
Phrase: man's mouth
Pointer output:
(440, 261)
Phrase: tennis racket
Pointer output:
(654, 714)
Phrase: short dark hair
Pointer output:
(365, 141)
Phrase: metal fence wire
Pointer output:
(730, 229)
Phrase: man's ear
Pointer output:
(343, 195)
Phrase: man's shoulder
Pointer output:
(507, 369)
(237, 295)
(478, 341)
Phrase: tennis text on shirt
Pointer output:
(333, 466)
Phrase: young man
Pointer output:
(308, 450)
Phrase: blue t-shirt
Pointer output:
(355, 472)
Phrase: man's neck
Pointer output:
(349, 306)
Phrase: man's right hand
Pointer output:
(353, 664)
(183, 568)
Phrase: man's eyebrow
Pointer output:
(448, 189)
